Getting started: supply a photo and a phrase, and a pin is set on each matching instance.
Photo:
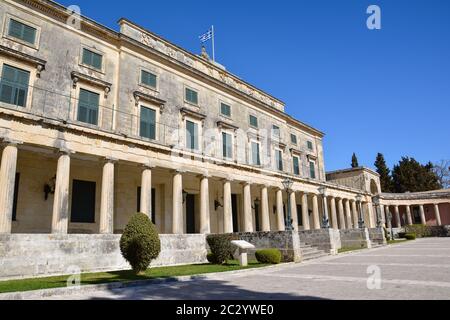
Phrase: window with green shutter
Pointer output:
(14, 86)
(88, 105)
(293, 139)
(191, 135)
(191, 96)
(148, 123)
(148, 79)
(296, 163)
(253, 121)
(225, 110)
(83, 202)
(227, 146)
(279, 160)
(256, 160)
(92, 59)
(276, 131)
(21, 31)
(310, 145)
(312, 170)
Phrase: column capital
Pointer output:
(64, 152)
(11, 142)
(204, 176)
(148, 166)
(246, 183)
(178, 171)
(110, 160)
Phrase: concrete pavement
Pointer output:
(414, 270)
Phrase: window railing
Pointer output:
(61, 107)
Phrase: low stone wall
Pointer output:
(287, 242)
(328, 240)
(27, 255)
(376, 236)
(355, 238)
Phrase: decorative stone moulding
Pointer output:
(140, 96)
(226, 125)
(191, 113)
(39, 64)
(77, 77)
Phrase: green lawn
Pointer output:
(348, 249)
(397, 241)
(121, 276)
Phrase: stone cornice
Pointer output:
(438, 194)
(226, 125)
(38, 63)
(77, 76)
(192, 113)
(138, 96)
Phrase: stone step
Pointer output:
(316, 255)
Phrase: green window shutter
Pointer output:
(276, 131)
(310, 145)
(14, 86)
(296, 165)
(22, 31)
(293, 139)
(148, 79)
(191, 96)
(191, 135)
(279, 160)
(88, 105)
(148, 123)
(253, 121)
(225, 109)
(256, 160)
(312, 170)
(227, 147)
(83, 202)
(92, 59)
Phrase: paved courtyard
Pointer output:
(413, 270)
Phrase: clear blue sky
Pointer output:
(370, 91)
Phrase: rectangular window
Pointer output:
(256, 160)
(191, 135)
(16, 197)
(83, 202)
(227, 146)
(279, 160)
(149, 79)
(21, 31)
(148, 123)
(293, 139)
(88, 107)
(191, 96)
(225, 110)
(14, 86)
(310, 145)
(276, 131)
(253, 121)
(296, 163)
(92, 59)
(312, 170)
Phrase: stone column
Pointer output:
(355, 214)
(7, 182)
(265, 219)
(382, 216)
(326, 216)
(316, 218)
(60, 216)
(422, 215)
(397, 217)
(107, 198)
(305, 212)
(389, 222)
(334, 220)
(146, 191)
(205, 225)
(409, 220)
(280, 211)
(177, 203)
(438, 215)
(348, 214)
(370, 215)
(341, 215)
(227, 208)
(248, 221)
(294, 216)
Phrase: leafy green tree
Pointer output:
(385, 174)
(411, 176)
(355, 163)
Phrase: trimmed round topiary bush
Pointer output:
(221, 247)
(211, 258)
(140, 242)
(272, 256)
(410, 236)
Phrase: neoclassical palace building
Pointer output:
(97, 124)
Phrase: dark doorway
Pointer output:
(190, 213)
(299, 215)
(234, 209)
(16, 195)
(257, 225)
(83, 201)
(416, 215)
